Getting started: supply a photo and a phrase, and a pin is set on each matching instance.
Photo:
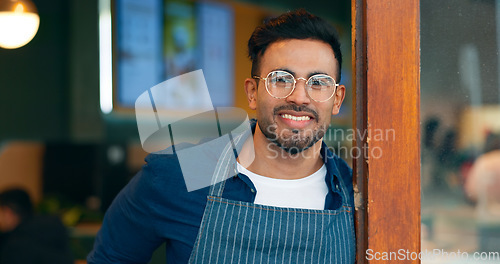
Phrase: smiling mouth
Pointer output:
(295, 118)
(296, 121)
(295, 113)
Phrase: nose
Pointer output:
(299, 95)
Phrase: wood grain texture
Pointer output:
(388, 107)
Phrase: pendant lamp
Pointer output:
(19, 23)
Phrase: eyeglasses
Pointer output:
(281, 84)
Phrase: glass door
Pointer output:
(460, 113)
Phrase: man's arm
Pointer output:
(128, 233)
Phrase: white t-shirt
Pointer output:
(307, 193)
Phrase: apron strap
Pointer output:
(223, 168)
(221, 172)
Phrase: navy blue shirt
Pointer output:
(155, 207)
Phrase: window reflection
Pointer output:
(460, 112)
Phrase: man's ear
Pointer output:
(251, 91)
(338, 98)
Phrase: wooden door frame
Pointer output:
(386, 59)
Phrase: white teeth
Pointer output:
(295, 118)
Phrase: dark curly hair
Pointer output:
(18, 200)
(298, 24)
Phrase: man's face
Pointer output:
(3, 219)
(297, 122)
(8, 219)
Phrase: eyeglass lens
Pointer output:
(319, 87)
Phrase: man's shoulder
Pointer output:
(163, 171)
(47, 229)
(161, 168)
(161, 160)
(165, 160)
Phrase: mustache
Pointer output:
(296, 108)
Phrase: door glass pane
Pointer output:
(460, 113)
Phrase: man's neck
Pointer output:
(274, 162)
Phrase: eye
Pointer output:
(281, 79)
(320, 82)
(317, 84)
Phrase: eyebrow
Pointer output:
(293, 73)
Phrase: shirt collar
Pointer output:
(332, 175)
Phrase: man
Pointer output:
(292, 204)
(30, 239)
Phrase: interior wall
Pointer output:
(247, 17)
(21, 165)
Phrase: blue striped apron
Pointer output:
(242, 232)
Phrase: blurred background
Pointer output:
(68, 131)
(460, 121)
